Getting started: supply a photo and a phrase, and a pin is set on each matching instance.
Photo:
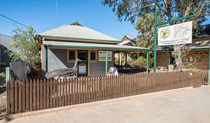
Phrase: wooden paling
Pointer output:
(37, 94)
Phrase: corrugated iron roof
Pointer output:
(128, 42)
(77, 30)
(66, 44)
(131, 37)
(164, 48)
(198, 45)
(5, 40)
(192, 46)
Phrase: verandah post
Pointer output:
(169, 60)
(147, 62)
(46, 59)
(7, 75)
(106, 63)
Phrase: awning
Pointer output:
(113, 47)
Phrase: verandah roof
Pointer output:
(113, 47)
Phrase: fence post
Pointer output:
(7, 75)
(209, 69)
(100, 88)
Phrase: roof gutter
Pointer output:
(77, 39)
(103, 48)
(200, 49)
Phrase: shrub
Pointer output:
(140, 62)
(151, 61)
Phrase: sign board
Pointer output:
(82, 68)
(102, 56)
(175, 34)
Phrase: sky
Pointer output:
(44, 15)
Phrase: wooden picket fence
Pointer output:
(31, 95)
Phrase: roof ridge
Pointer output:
(76, 23)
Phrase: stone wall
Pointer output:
(162, 59)
(197, 59)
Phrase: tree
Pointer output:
(145, 28)
(24, 47)
(131, 10)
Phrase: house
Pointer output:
(130, 40)
(61, 46)
(122, 58)
(4, 45)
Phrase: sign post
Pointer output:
(106, 63)
(155, 40)
(155, 31)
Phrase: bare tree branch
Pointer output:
(161, 8)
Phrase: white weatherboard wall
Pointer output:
(57, 58)
(175, 34)
(98, 68)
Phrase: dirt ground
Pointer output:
(186, 105)
(3, 102)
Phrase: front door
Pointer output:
(82, 65)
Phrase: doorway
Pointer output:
(82, 65)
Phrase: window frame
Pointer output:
(96, 55)
(75, 55)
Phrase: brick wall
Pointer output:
(196, 59)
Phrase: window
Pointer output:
(71, 55)
(93, 56)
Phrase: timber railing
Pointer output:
(31, 95)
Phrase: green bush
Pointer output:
(140, 62)
(151, 60)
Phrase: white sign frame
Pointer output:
(175, 34)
